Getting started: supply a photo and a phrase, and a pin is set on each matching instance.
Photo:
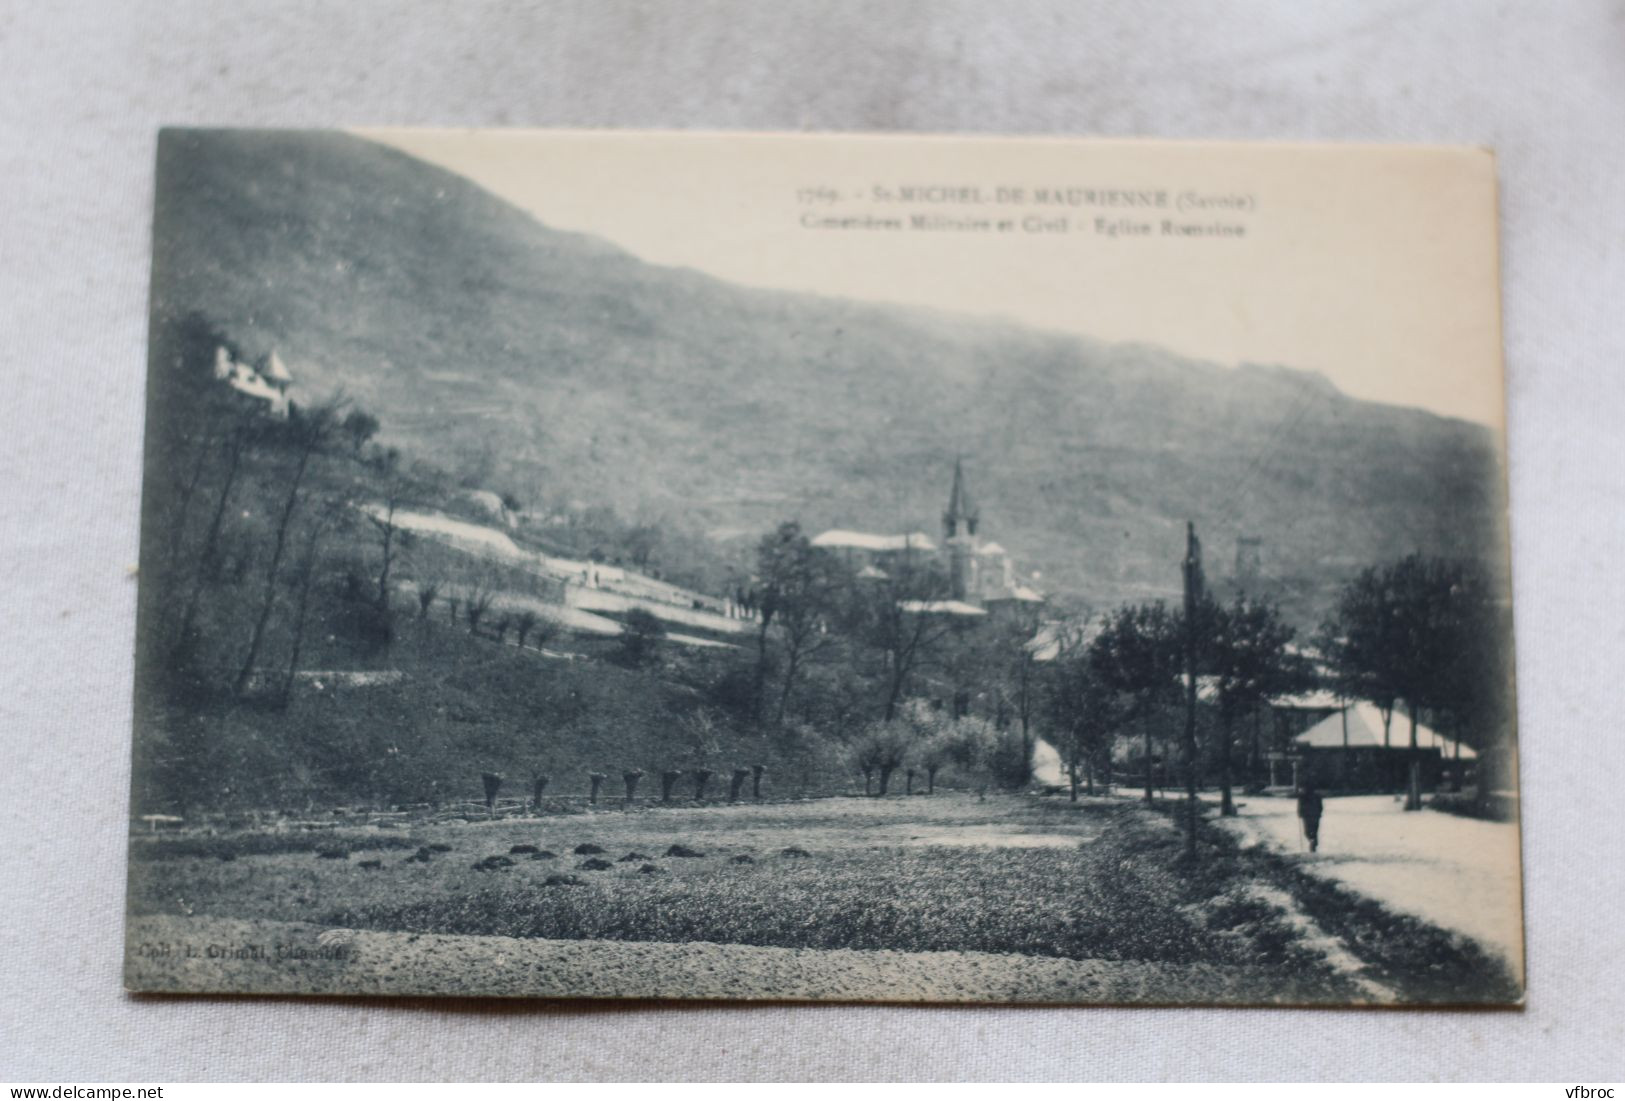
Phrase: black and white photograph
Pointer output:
(809, 567)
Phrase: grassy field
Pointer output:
(1012, 876)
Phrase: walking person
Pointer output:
(1310, 806)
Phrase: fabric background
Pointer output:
(84, 88)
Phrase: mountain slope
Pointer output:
(560, 367)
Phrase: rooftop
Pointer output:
(862, 540)
(1364, 730)
(941, 607)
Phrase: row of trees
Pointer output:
(631, 779)
(1430, 635)
(238, 511)
(1128, 675)
(922, 740)
(255, 541)
(255, 511)
(250, 514)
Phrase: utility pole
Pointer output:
(1193, 602)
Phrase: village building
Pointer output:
(873, 553)
(276, 373)
(1354, 747)
(264, 387)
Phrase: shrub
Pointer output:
(641, 633)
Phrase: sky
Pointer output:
(1374, 266)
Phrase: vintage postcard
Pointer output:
(831, 567)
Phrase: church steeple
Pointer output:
(961, 518)
(959, 533)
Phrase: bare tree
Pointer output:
(544, 630)
(866, 755)
(306, 574)
(798, 588)
(1020, 668)
(973, 749)
(881, 749)
(906, 625)
(932, 756)
(202, 449)
(533, 627)
(523, 623)
(236, 442)
(476, 604)
(929, 741)
(211, 417)
(391, 538)
(427, 591)
(308, 433)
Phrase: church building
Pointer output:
(982, 576)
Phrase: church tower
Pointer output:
(959, 535)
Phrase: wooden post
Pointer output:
(1413, 789)
(1150, 754)
(597, 781)
(756, 781)
(1193, 586)
(1254, 750)
(1343, 762)
(739, 778)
